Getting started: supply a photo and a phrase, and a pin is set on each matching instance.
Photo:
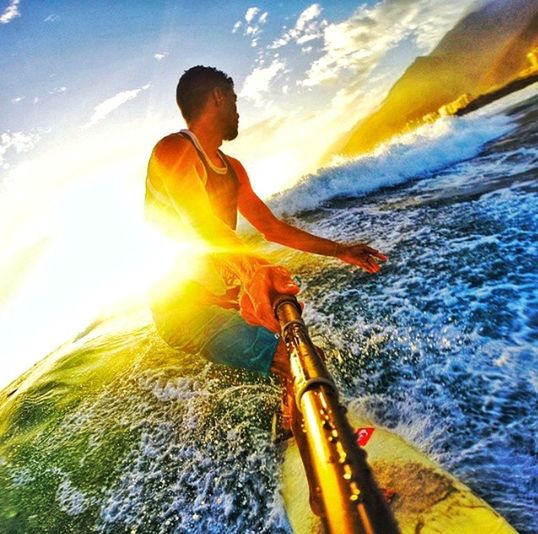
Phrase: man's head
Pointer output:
(202, 87)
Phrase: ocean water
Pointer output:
(115, 432)
(443, 345)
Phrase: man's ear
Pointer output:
(218, 96)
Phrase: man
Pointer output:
(224, 310)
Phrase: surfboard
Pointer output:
(427, 499)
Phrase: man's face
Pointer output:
(230, 117)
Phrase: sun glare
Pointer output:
(81, 252)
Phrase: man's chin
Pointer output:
(231, 134)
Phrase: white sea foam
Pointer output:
(71, 500)
(22, 477)
(414, 155)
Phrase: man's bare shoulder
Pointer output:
(174, 149)
(238, 168)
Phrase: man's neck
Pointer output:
(208, 138)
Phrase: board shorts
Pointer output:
(219, 334)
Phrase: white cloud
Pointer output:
(358, 44)
(52, 18)
(160, 55)
(307, 28)
(17, 99)
(258, 81)
(251, 13)
(388, 34)
(254, 22)
(309, 14)
(58, 90)
(18, 141)
(10, 12)
(102, 110)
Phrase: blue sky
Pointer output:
(61, 60)
(88, 88)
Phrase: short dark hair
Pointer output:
(194, 87)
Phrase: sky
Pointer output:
(88, 88)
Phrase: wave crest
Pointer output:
(410, 156)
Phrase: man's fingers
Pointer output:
(370, 269)
(283, 283)
(374, 266)
(286, 288)
(368, 265)
(376, 253)
(365, 257)
(263, 287)
(365, 249)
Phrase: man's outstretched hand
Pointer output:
(268, 281)
(362, 255)
(260, 291)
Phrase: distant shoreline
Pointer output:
(487, 98)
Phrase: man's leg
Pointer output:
(221, 336)
(230, 340)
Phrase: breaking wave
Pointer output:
(410, 156)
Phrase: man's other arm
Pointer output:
(277, 231)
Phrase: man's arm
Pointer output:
(180, 172)
(277, 231)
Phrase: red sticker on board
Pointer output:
(363, 435)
